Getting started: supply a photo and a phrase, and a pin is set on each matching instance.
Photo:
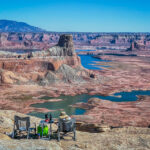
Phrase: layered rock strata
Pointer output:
(117, 114)
(136, 46)
(57, 64)
(12, 40)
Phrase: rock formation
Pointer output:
(126, 113)
(136, 46)
(57, 64)
(65, 47)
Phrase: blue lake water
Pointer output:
(90, 62)
(67, 101)
(87, 50)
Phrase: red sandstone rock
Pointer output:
(117, 113)
(136, 46)
(57, 64)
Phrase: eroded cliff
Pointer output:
(54, 65)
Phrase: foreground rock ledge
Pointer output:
(119, 138)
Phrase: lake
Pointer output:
(90, 62)
(67, 101)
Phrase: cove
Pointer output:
(67, 101)
(89, 62)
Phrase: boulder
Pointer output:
(92, 127)
(9, 77)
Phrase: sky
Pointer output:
(80, 15)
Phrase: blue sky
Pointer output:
(80, 15)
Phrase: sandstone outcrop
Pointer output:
(93, 128)
(57, 64)
(118, 138)
(117, 114)
(136, 46)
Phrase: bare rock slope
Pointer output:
(127, 138)
(136, 46)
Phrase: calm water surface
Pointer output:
(90, 62)
(70, 100)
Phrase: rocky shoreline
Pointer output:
(117, 114)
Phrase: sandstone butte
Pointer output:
(135, 46)
(57, 64)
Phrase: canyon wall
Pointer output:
(54, 65)
(45, 40)
(137, 46)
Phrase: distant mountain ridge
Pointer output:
(14, 26)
